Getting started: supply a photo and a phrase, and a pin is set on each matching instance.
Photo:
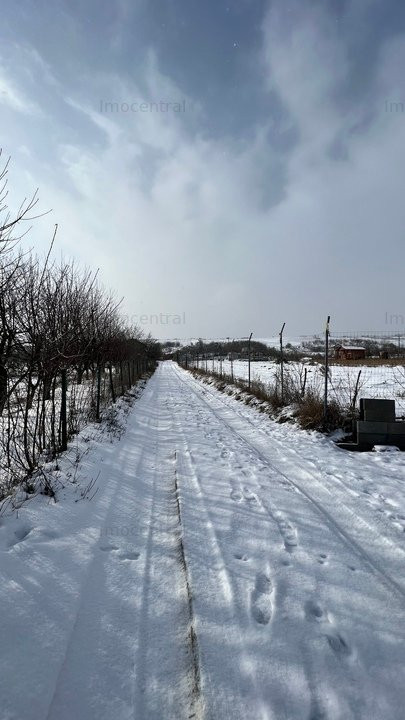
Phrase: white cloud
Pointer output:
(13, 98)
(176, 221)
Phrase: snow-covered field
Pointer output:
(227, 568)
(375, 382)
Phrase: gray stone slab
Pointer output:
(380, 428)
(376, 410)
(373, 439)
(396, 428)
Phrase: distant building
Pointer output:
(350, 352)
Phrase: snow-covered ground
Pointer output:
(227, 568)
(380, 382)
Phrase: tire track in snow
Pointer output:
(139, 638)
(298, 458)
(261, 596)
(333, 525)
(242, 492)
(161, 626)
(336, 676)
(111, 492)
(187, 471)
(196, 710)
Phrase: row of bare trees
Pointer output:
(62, 343)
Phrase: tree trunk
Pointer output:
(3, 387)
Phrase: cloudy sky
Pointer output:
(235, 163)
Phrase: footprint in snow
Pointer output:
(108, 548)
(261, 604)
(289, 537)
(20, 535)
(322, 558)
(129, 555)
(317, 713)
(287, 531)
(313, 611)
(249, 496)
(338, 643)
(237, 496)
(49, 534)
(239, 556)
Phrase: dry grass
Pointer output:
(307, 409)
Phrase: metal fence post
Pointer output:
(249, 354)
(231, 358)
(325, 404)
(282, 363)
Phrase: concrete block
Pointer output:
(396, 428)
(374, 410)
(379, 431)
(370, 434)
(372, 439)
(379, 428)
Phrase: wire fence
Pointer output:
(65, 353)
(340, 368)
(39, 418)
(368, 365)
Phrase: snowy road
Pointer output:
(228, 567)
